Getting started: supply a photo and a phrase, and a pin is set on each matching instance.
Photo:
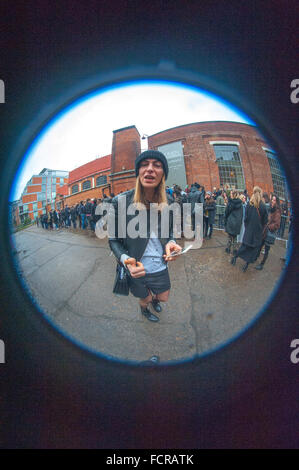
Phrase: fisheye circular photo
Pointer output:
(150, 221)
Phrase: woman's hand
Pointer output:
(136, 269)
(169, 248)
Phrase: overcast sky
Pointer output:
(83, 131)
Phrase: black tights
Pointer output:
(231, 242)
(267, 249)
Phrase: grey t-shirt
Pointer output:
(152, 258)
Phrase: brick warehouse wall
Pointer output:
(200, 158)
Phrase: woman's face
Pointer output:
(150, 173)
(273, 201)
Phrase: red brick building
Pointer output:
(214, 154)
(90, 180)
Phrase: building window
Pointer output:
(86, 185)
(101, 180)
(229, 165)
(75, 189)
(34, 206)
(278, 178)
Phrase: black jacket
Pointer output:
(255, 222)
(73, 214)
(195, 196)
(134, 247)
(88, 208)
(210, 209)
(81, 209)
(233, 216)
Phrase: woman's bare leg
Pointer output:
(163, 297)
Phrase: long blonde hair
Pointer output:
(256, 197)
(159, 195)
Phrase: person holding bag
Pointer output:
(256, 219)
(271, 229)
(146, 257)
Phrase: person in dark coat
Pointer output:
(233, 220)
(55, 219)
(45, 219)
(62, 215)
(82, 215)
(209, 212)
(67, 212)
(41, 218)
(267, 201)
(74, 216)
(195, 196)
(256, 218)
(88, 212)
(272, 227)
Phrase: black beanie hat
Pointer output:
(152, 154)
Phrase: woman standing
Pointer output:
(233, 220)
(209, 212)
(146, 257)
(242, 231)
(256, 218)
(271, 229)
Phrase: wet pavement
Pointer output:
(71, 273)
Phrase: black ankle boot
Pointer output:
(259, 267)
(148, 314)
(245, 267)
(233, 260)
(156, 305)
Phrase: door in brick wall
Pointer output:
(175, 158)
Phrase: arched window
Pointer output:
(229, 165)
(278, 178)
(75, 189)
(86, 185)
(101, 180)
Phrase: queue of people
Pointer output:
(82, 215)
(252, 223)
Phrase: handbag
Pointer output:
(270, 237)
(121, 282)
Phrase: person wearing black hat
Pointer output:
(146, 257)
